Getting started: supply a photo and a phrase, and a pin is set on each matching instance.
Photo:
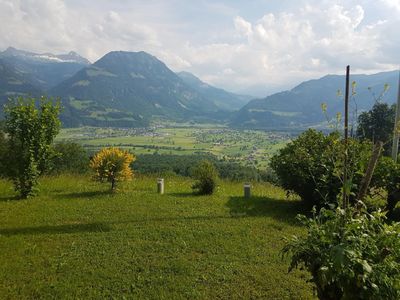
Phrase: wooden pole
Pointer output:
(370, 171)
(396, 134)
(346, 136)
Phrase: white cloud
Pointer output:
(392, 4)
(230, 45)
(243, 27)
(307, 42)
(50, 25)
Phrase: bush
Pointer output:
(312, 164)
(112, 165)
(349, 256)
(70, 158)
(206, 176)
(31, 128)
(387, 177)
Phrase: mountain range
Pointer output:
(43, 70)
(120, 89)
(133, 88)
(301, 106)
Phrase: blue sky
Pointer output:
(253, 46)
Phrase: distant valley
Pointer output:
(132, 89)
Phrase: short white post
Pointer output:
(160, 185)
(247, 190)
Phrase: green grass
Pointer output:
(77, 240)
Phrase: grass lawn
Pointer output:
(76, 240)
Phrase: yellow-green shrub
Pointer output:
(112, 165)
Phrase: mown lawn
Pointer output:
(76, 240)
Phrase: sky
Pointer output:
(249, 46)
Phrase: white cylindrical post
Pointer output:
(160, 185)
(247, 190)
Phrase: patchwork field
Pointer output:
(249, 147)
(77, 240)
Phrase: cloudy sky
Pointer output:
(254, 46)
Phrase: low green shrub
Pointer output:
(206, 176)
(312, 166)
(387, 177)
(349, 255)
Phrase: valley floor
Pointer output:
(77, 240)
(248, 147)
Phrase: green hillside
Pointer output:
(301, 106)
(45, 70)
(13, 83)
(78, 241)
(129, 89)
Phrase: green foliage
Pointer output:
(377, 124)
(31, 126)
(3, 151)
(387, 177)
(182, 164)
(349, 255)
(206, 178)
(70, 158)
(312, 166)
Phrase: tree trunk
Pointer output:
(113, 184)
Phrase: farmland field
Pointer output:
(249, 147)
(76, 240)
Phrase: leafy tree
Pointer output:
(3, 151)
(112, 165)
(206, 177)
(71, 157)
(31, 126)
(349, 254)
(377, 124)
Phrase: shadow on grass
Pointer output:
(88, 194)
(175, 219)
(183, 195)
(279, 209)
(10, 198)
(58, 229)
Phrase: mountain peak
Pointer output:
(71, 57)
(14, 52)
(139, 62)
(128, 54)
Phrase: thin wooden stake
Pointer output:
(346, 136)
(370, 171)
